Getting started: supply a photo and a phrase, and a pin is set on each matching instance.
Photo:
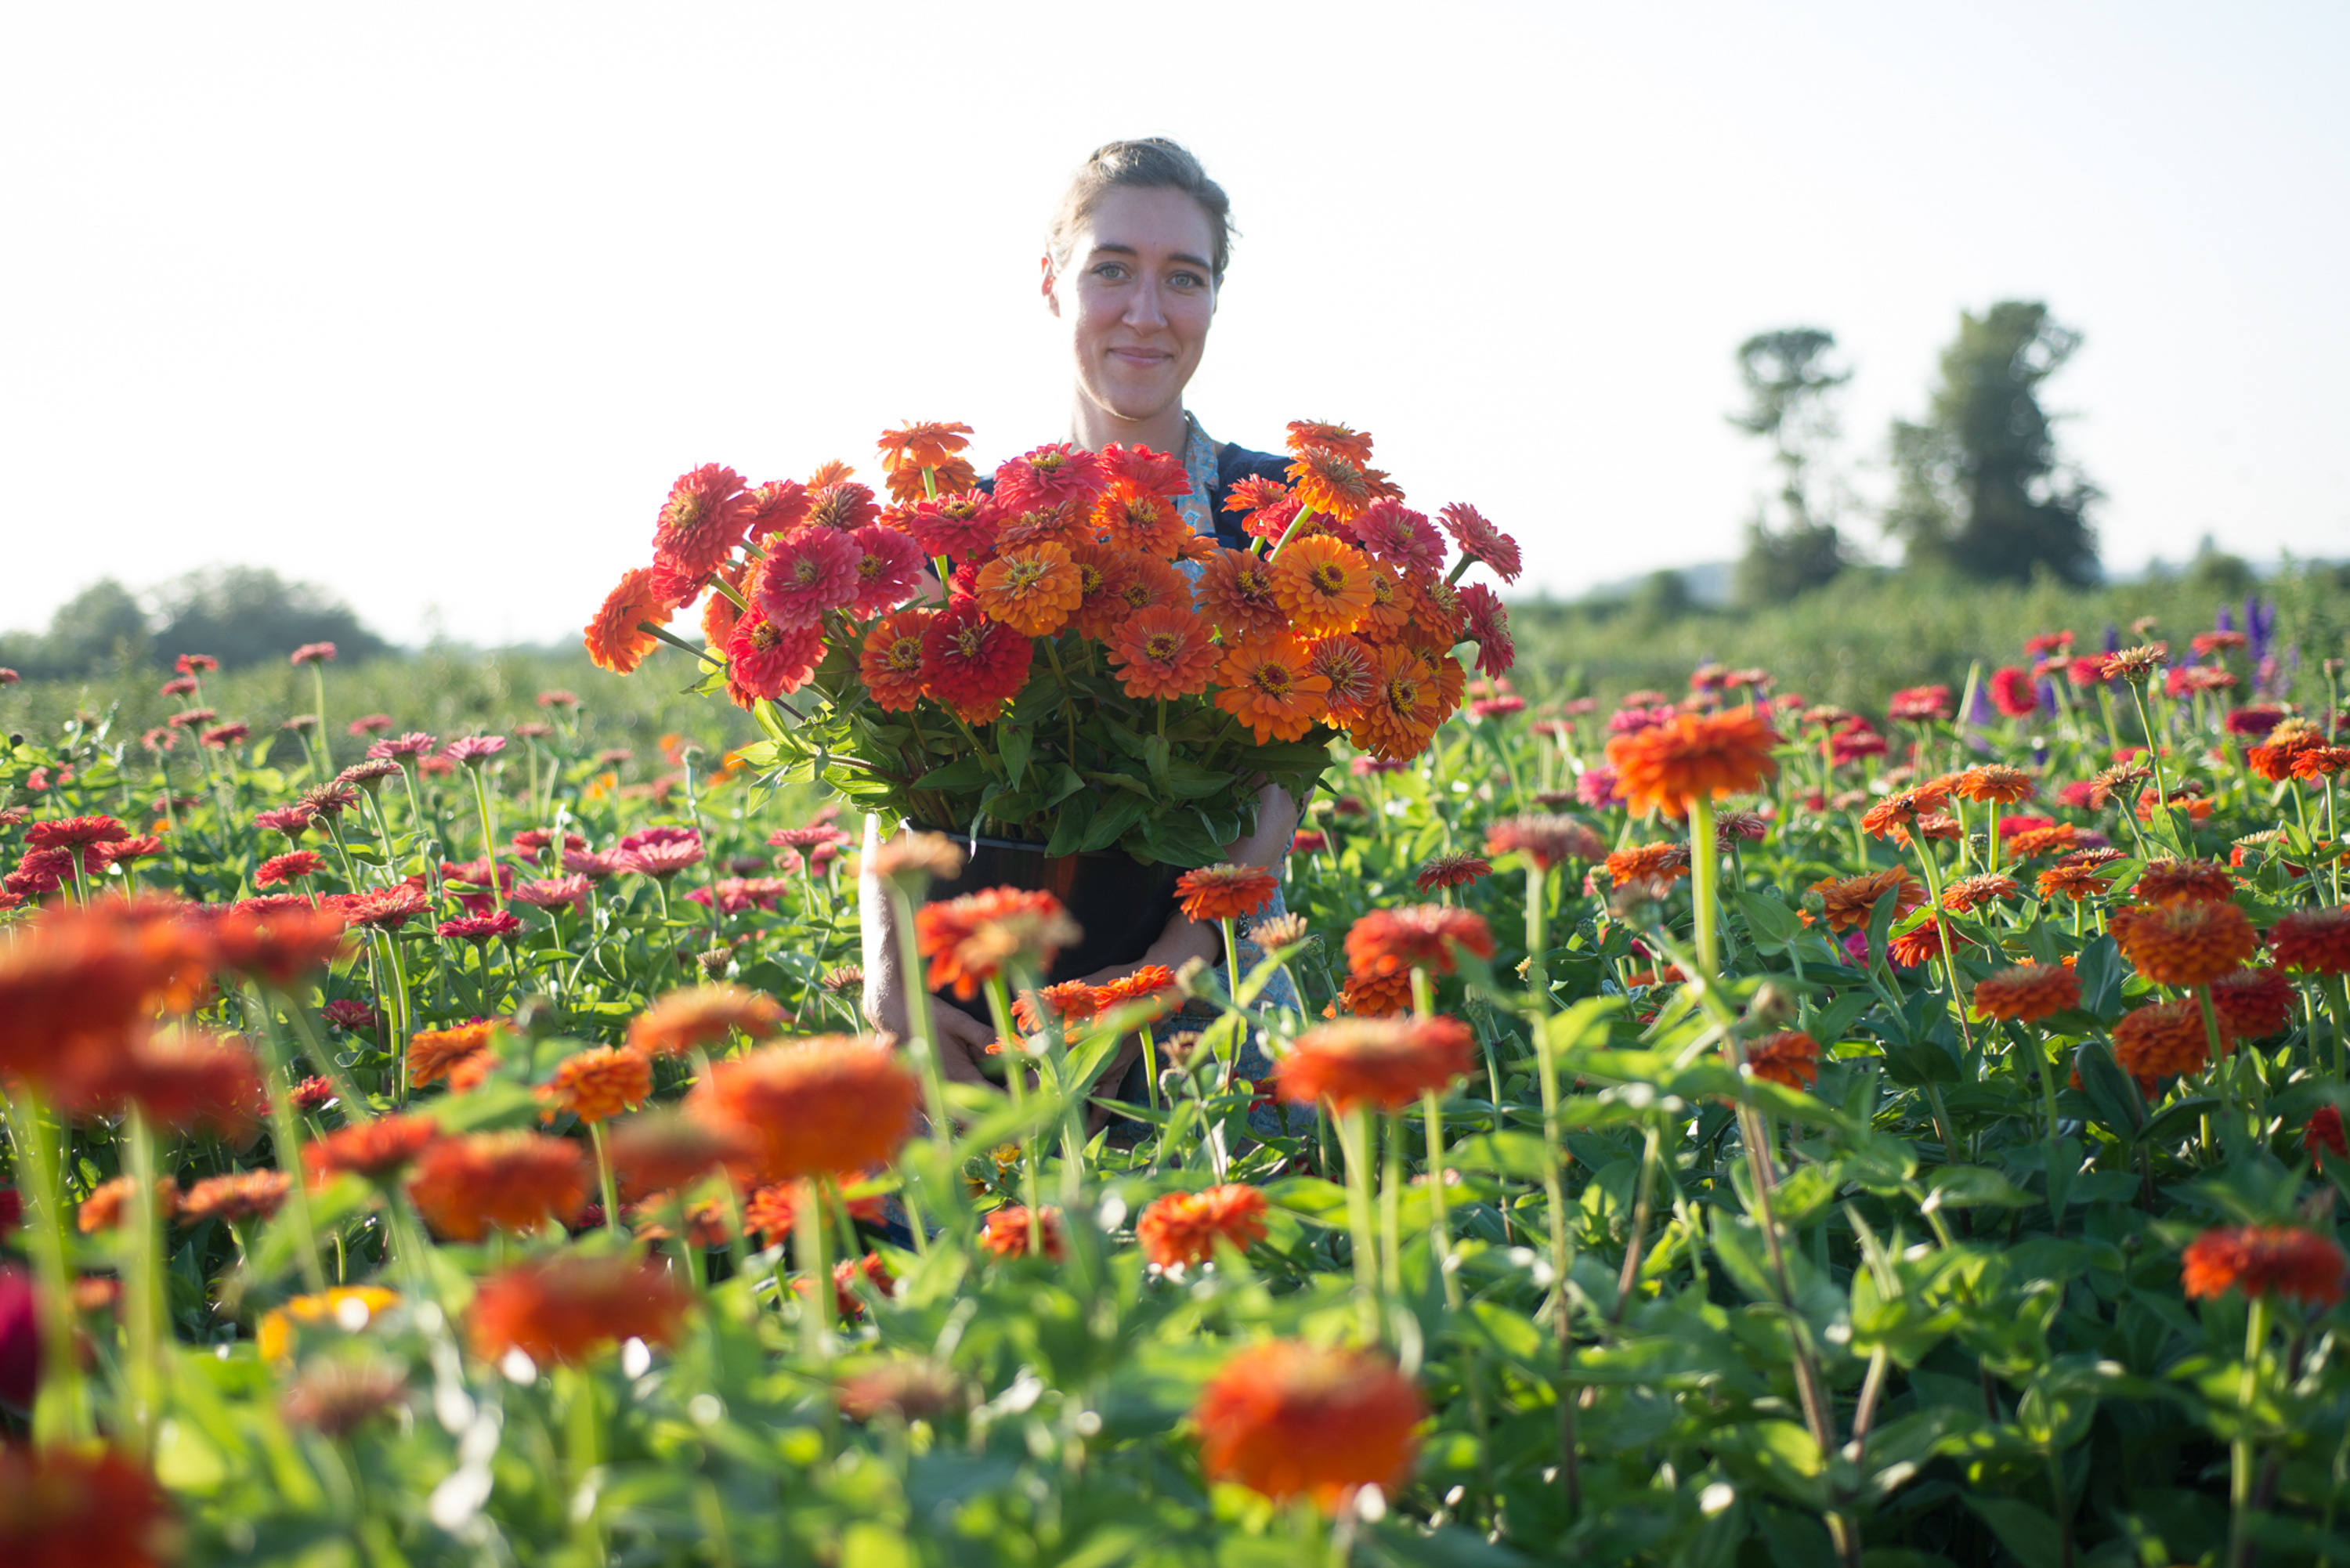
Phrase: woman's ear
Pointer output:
(1051, 285)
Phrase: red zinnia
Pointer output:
(2324, 1136)
(62, 1508)
(2265, 1261)
(808, 571)
(1450, 871)
(2027, 993)
(765, 660)
(2314, 941)
(973, 664)
(1005, 1234)
(2252, 1003)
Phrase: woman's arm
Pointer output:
(962, 1039)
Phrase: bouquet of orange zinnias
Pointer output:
(1058, 652)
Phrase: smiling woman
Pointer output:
(1133, 264)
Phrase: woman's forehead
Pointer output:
(1160, 224)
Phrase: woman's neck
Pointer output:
(1092, 427)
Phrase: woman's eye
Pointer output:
(1185, 280)
(1110, 271)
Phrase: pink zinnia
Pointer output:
(1598, 787)
(1391, 532)
(888, 570)
(178, 686)
(482, 928)
(958, 527)
(349, 1014)
(474, 750)
(403, 748)
(765, 658)
(552, 892)
(1042, 480)
(291, 866)
(313, 653)
(1489, 627)
(387, 910)
(702, 522)
(372, 724)
(661, 851)
(1481, 541)
(805, 837)
(223, 736)
(595, 867)
(807, 572)
(293, 821)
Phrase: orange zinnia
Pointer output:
(1387, 1063)
(511, 1180)
(1164, 651)
(1236, 596)
(600, 1082)
(1269, 686)
(2076, 880)
(663, 1149)
(1335, 485)
(1005, 1234)
(1375, 995)
(1968, 891)
(378, 1150)
(1034, 591)
(2170, 1037)
(1350, 667)
(1103, 575)
(241, 1194)
(564, 1308)
(1648, 863)
(1071, 1001)
(1225, 892)
(970, 940)
(2186, 944)
(891, 661)
(702, 1015)
(2028, 993)
(811, 1108)
(1183, 1228)
(1405, 704)
(2185, 882)
(1137, 518)
(1315, 435)
(1149, 581)
(453, 1054)
(1693, 756)
(1997, 782)
(917, 446)
(2265, 1261)
(1323, 584)
(1287, 1419)
(1417, 935)
(1850, 900)
(616, 641)
(2056, 838)
(1790, 1059)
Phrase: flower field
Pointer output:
(1721, 1128)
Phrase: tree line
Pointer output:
(239, 615)
(1981, 488)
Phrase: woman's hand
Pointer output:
(962, 1040)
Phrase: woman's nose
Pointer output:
(1143, 309)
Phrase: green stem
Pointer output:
(1353, 1140)
(60, 1407)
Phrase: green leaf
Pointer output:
(1518, 1154)
(1311, 1199)
(968, 771)
(2023, 1529)
(1974, 1186)
(1014, 742)
(1121, 811)
(1772, 923)
(1069, 827)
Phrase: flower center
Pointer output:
(905, 656)
(1328, 579)
(1161, 646)
(1272, 680)
(765, 636)
(1025, 574)
(805, 572)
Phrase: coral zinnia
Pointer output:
(1183, 1228)
(2185, 944)
(1033, 590)
(1287, 1419)
(511, 1180)
(1648, 863)
(703, 519)
(1481, 541)
(961, 527)
(2314, 941)
(1374, 996)
(1450, 871)
(1335, 484)
(1387, 1063)
(388, 910)
(1417, 935)
(564, 1308)
(1350, 667)
(661, 1149)
(1489, 627)
(891, 662)
(2265, 1261)
(1071, 1001)
(1164, 651)
(1392, 532)
(291, 866)
(1965, 893)
(890, 568)
(1546, 841)
(1790, 1059)
(1270, 686)
(1140, 517)
(1041, 480)
(616, 639)
(1850, 900)
(971, 663)
(600, 1082)
(1667, 766)
(921, 445)
(1236, 595)
(702, 1015)
(378, 1150)
(2170, 1037)
(240, 1195)
(65, 1508)
(1225, 892)
(2076, 880)
(1323, 584)
(970, 940)
(811, 1108)
(2028, 993)
(1005, 1233)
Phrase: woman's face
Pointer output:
(1137, 295)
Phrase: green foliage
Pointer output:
(1789, 387)
(1872, 632)
(1982, 490)
(247, 614)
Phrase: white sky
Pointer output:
(430, 303)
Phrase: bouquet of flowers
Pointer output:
(1058, 652)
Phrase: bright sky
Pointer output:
(429, 302)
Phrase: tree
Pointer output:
(243, 615)
(1789, 385)
(94, 629)
(1981, 488)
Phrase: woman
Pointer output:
(1133, 264)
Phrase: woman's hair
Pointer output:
(1148, 164)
